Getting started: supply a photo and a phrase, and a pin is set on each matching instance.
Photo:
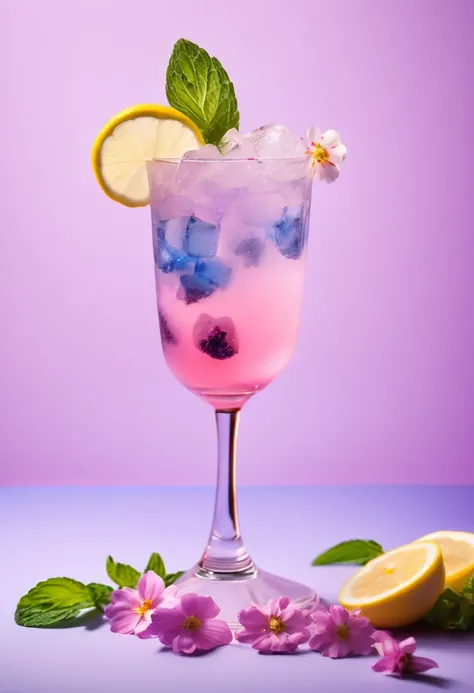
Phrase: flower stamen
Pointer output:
(342, 632)
(146, 606)
(191, 623)
(276, 625)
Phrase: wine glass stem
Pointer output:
(225, 552)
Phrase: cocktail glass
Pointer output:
(229, 241)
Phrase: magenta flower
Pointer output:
(338, 633)
(191, 626)
(276, 627)
(130, 609)
(398, 657)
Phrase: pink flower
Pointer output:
(397, 657)
(328, 153)
(338, 633)
(191, 625)
(130, 609)
(276, 627)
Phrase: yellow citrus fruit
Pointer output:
(457, 549)
(133, 137)
(397, 588)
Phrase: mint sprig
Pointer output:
(358, 551)
(60, 600)
(198, 86)
(452, 611)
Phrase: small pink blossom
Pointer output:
(338, 633)
(328, 153)
(191, 626)
(276, 627)
(398, 657)
(130, 609)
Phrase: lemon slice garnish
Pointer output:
(133, 137)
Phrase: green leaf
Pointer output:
(123, 575)
(468, 591)
(172, 577)
(358, 551)
(100, 594)
(52, 601)
(198, 86)
(156, 563)
(452, 611)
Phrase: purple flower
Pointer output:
(191, 626)
(276, 627)
(398, 657)
(338, 633)
(130, 609)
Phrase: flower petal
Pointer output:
(336, 650)
(199, 606)
(151, 586)
(185, 642)
(330, 138)
(321, 619)
(339, 615)
(126, 598)
(253, 619)
(338, 153)
(420, 664)
(319, 641)
(313, 134)
(384, 665)
(265, 642)
(124, 623)
(213, 633)
(407, 646)
(247, 636)
(165, 620)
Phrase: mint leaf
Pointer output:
(155, 563)
(123, 575)
(358, 551)
(468, 591)
(52, 601)
(172, 577)
(452, 611)
(198, 86)
(100, 594)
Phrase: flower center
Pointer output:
(192, 623)
(404, 663)
(276, 625)
(146, 606)
(342, 632)
(319, 153)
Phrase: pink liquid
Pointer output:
(264, 303)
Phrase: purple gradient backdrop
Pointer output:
(380, 389)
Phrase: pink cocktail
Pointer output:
(229, 240)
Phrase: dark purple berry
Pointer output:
(166, 334)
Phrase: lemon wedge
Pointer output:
(133, 137)
(397, 588)
(458, 556)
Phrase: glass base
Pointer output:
(235, 591)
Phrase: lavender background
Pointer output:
(380, 387)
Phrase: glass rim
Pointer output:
(279, 159)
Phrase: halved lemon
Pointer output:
(458, 556)
(397, 588)
(130, 139)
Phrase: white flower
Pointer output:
(327, 151)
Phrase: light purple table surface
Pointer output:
(47, 532)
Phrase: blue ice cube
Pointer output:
(251, 249)
(194, 288)
(200, 238)
(168, 258)
(213, 272)
(288, 232)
